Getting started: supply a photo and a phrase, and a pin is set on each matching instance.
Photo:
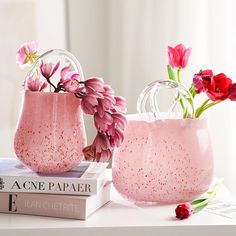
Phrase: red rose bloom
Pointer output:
(183, 210)
(218, 90)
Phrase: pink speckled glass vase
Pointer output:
(163, 158)
(50, 135)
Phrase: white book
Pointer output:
(53, 205)
(86, 179)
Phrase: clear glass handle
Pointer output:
(59, 54)
(150, 94)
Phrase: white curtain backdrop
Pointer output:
(125, 42)
(23, 21)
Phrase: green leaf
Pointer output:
(186, 115)
(198, 201)
(209, 193)
(171, 73)
(192, 91)
(196, 210)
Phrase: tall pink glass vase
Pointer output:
(164, 158)
(50, 135)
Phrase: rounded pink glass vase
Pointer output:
(163, 160)
(50, 133)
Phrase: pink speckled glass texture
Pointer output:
(50, 134)
(166, 161)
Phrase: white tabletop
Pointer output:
(121, 217)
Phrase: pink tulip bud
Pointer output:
(184, 210)
(178, 56)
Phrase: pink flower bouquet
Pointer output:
(97, 99)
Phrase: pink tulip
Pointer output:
(95, 84)
(48, 69)
(27, 53)
(178, 56)
(35, 84)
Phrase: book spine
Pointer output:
(51, 185)
(62, 206)
(43, 205)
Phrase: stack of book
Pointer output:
(74, 194)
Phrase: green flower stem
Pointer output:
(204, 107)
(211, 194)
(182, 104)
(201, 107)
(180, 100)
(192, 91)
(178, 75)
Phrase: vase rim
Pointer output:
(47, 93)
(149, 117)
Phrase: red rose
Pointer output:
(202, 80)
(218, 90)
(178, 56)
(183, 210)
(232, 92)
